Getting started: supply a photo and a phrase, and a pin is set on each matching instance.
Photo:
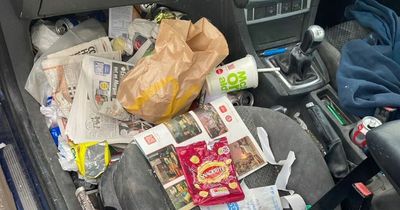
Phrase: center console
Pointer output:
(267, 24)
(301, 66)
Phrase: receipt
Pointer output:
(119, 20)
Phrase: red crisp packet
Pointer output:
(210, 174)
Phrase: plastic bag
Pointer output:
(166, 83)
(43, 35)
(209, 173)
(146, 28)
(65, 155)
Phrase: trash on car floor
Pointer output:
(100, 93)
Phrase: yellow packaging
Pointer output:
(89, 156)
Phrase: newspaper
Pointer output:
(99, 45)
(98, 86)
(62, 73)
(210, 122)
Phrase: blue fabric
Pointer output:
(369, 71)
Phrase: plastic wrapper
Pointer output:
(65, 155)
(210, 173)
(52, 113)
(146, 28)
(43, 35)
(165, 84)
(122, 44)
(263, 198)
(92, 158)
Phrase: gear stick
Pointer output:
(297, 65)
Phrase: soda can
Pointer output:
(147, 8)
(361, 129)
(241, 98)
(63, 25)
(83, 199)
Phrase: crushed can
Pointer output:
(361, 129)
(83, 199)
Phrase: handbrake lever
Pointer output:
(335, 156)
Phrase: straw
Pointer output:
(268, 70)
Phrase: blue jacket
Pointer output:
(369, 73)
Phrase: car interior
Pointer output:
(299, 106)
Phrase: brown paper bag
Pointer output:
(166, 83)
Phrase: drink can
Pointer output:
(361, 129)
(83, 199)
(238, 75)
(63, 25)
(147, 8)
(162, 13)
(241, 98)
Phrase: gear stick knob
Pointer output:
(301, 56)
(312, 38)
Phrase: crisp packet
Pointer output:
(209, 173)
(92, 158)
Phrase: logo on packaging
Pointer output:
(223, 109)
(231, 66)
(219, 71)
(150, 139)
(228, 118)
(234, 81)
(212, 172)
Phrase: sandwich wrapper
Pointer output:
(165, 83)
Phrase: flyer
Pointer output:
(212, 121)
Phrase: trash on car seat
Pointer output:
(208, 122)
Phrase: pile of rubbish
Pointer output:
(152, 80)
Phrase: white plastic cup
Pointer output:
(238, 75)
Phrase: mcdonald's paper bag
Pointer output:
(165, 83)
